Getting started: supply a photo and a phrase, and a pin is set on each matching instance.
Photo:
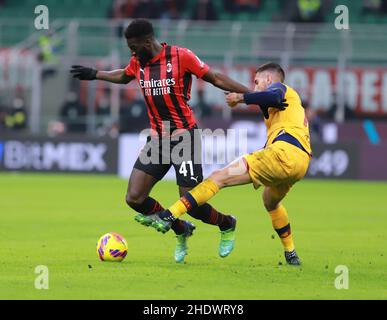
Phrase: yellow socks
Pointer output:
(194, 198)
(280, 221)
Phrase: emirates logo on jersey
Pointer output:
(156, 83)
(169, 67)
(157, 87)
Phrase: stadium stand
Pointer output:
(87, 32)
(16, 24)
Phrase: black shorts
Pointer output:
(181, 150)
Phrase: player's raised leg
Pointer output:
(272, 197)
(137, 197)
(235, 173)
(209, 215)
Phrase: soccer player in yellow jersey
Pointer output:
(277, 167)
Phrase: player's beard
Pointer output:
(144, 57)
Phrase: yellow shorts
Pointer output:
(279, 165)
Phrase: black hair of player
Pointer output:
(139, 28)
(272, 66)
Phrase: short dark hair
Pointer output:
(272, 66)
(139, 28)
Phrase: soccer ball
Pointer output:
(112, 247)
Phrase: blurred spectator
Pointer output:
(114, 130)
(133, 116)
(103, 115)
(204, 10)
(372, 6)
(235, 6)
(118, 9)
(306, 10)
(172, 9)
(48, 45)
(150, 9)
(55, 128)
(3, 113)
(146, 9)
(73, 114)
(375, 6)
(103, 108)
(135, 9)
(202, 108)
(349, 113)
(315, 122)
(16, 117)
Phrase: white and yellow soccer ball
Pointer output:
(112, 247)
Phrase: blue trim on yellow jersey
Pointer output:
(272, 97)
(280, 87)
(289, 139)
(191, 200)
(282, 230)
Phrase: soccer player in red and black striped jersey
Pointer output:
(164, 74)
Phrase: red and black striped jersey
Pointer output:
(165, 82)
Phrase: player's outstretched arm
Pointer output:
(265, 99)
(223, 82)
(114, 76)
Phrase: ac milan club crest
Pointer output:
(169, 67)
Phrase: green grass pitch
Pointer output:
(55, 220)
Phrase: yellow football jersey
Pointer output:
(292, 120)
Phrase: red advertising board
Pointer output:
(364, 89)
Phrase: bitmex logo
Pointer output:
(62, 156)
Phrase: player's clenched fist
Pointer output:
(83, 73)
(234, 98)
